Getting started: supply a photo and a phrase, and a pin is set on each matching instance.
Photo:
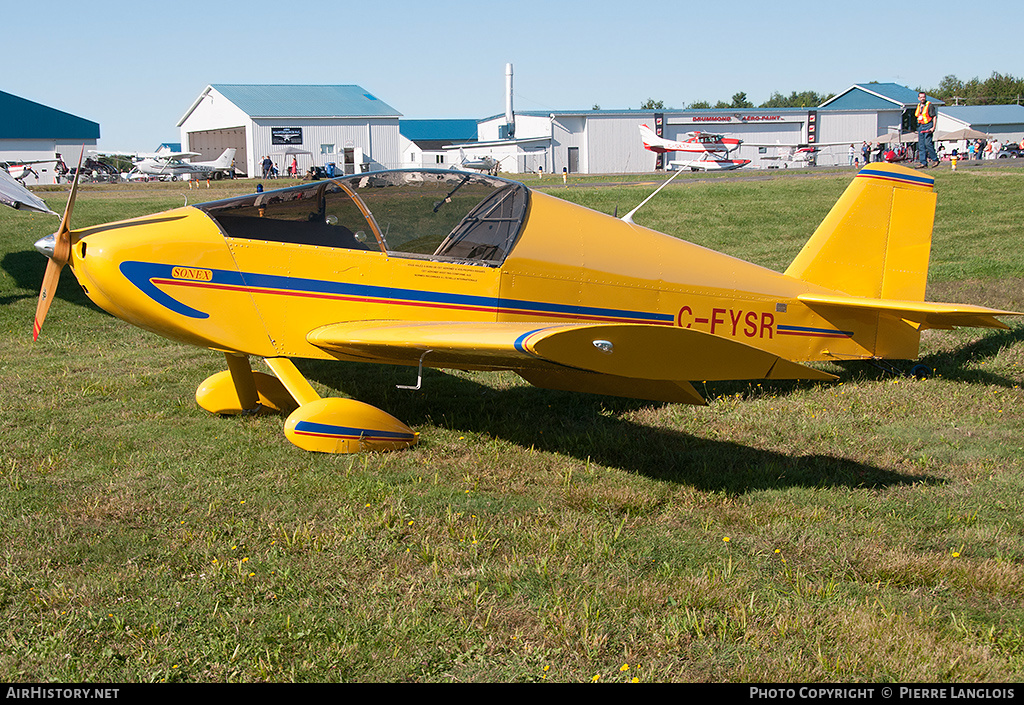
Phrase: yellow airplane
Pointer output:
(459, 270)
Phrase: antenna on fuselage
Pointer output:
(628, 218)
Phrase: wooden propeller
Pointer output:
(61, 255)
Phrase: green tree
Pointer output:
(803, 99)
(739, 100)
(997, 89)
(652, 104)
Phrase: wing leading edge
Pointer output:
(15, 195)
(630, 360)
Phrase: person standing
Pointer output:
(926, 116)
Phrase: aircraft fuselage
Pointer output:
(225, 278)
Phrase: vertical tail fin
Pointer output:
(224, 160)
(876, 240)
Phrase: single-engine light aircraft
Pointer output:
(172, 164)
(20, 170)
(467, 271)
(486, 164)
(713, 150)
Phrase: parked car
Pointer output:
(1010, 151)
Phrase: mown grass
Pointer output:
(865, 530)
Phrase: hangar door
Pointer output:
(211, 144)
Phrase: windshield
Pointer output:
(439, 215)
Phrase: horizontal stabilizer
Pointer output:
(623, 351)
(925, 314)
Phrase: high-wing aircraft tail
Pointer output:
(872, 252)
(225, 159)
(651, 140)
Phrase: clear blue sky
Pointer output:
(135, 66)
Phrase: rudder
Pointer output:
(876, 240)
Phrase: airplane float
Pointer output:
(171, 164)
(443, 269)
(713, 150)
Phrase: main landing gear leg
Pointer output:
(330, 425)
(240, 391)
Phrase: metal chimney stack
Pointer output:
(510, 118)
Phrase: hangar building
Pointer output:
(342, 124)
(1004, 122)
(424, 141)
(33, 132)
(608, 141)
(864, 112)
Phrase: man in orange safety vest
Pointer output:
(926, 117)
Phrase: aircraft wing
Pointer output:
(632, 360)
(175, 155)
(15, 195)
(799, 145)
(924, 314)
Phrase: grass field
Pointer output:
(866, 530)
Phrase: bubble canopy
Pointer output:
(429, 214)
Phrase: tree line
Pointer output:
(802, 99)
(997, 89)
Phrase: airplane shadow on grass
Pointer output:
(592, 428)
(27, 269)
(957, 365)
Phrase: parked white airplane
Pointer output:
(19, 170)
(486, 164)
(172, 164)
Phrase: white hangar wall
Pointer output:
(613, 145)
(856, 126)
(377, 139)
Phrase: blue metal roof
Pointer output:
(23, 119)
(305, 101)
(424, 130)
(986, 114)
(875, 96)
